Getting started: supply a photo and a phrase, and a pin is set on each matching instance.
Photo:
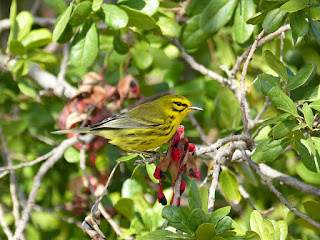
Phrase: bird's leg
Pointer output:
(153, 156)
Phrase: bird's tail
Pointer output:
(74, 130)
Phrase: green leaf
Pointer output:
(37, 38)
(25, 21)
(14, 28)
(165, 235)
(26, 89)
(66, 35)
(283, 229)
(218, 214)
(71, 155)
(204, 195)
(130, 187)
(217, 14)
(312, 208)
(315, 12)
(114, 16)
(141, 58)
(282, 101)
(294, 5)
(85, 46)
(224, 224)
(276, 229)
(205, 231)
(16, 48)
(193, 196)
(197, 218)
(150, 170)
(245, 171)
(308, 115)
(151, 7)
(139, 19)
(96, 5)
(40, 56)
(273, 20)
(315, 105)
(250, 235)
(191, 34)
(283, 128)
(299, 24)
(257, 18)
(269, 150)
(316, 141)
(308, 160)
(168, 26)
(256, 222)
(241, 31)
(229, 185)
(267, 82)
(61, 23)
(17, 66)
(267, 230)
(177, 218)
(58, 5)
(302, 76)
(276, 119)
(119, 45)
(125, 206)
(80, 13)
(127, 157)
(276, 65)
(307, 175)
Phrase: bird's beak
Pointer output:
(195, 108)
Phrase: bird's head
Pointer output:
(176, 106)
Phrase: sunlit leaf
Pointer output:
(80, 13)
(61, 24)
(229, 185)
(114, 16)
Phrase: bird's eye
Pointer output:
(178, 103)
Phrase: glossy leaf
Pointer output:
(308, 115)
(315, 12)
(218, 214)
(294, 5)
(257, 18)
(316, 141)
(273, 20)
(229, 185)
(177, 219)
(141, 58)
(196, 6)
(16, 48)
(80, 13)
(283, 229)
(256, 222)
(315, 105)
(191, 34)
(127, 157)
(150, 170)
(299, 24)
(308, 160)
(164, 234)
(205, 231)
(58, 5)
(269, 150)
(25, 21)
(151, 7)
(14, 28)
(282, 101)
(71, 155)
(168, 26)
(114, 16)
(125, 206)
(119, 45)
(217, 14)
(276, 119)
(139, 19)
(96, 5)
(130, 187)
(268, 232)
(224, 224)
(197, 217)
(302, 76)
(283, 128)
(276, 65)
(40, 56)
(85, 46)
(37, 38)
(241, 31)
(61, 23)
(204, 195)
(246, 173)
(193, 196)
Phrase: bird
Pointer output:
(143, 127)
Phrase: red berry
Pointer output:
(176, 154)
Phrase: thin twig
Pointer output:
(197, 126)
(112, 223)
(281, 46)
(4, 225)
(267, 103)
(83, 168)
(244, 110)
(214, 185)
(272, 188)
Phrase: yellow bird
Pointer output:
(143, 127)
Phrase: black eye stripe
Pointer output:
(179, 104)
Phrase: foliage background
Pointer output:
(29, 111)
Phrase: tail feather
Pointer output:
(74, 130)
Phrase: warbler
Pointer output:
(143, 127)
